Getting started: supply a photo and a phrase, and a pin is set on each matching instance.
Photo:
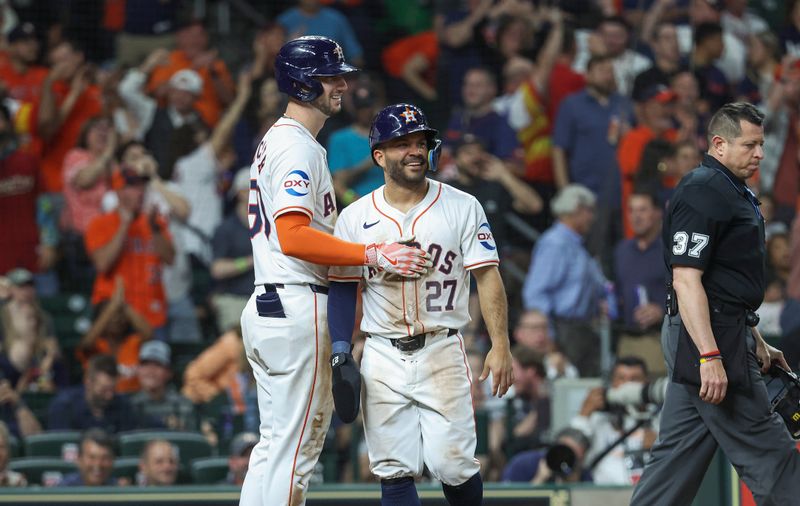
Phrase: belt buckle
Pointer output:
(409, 344)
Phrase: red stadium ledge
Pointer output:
(320, 495)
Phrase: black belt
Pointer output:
(416, 342)
(272, 287)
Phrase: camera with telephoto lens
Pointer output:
(561, 458)
(787, 401)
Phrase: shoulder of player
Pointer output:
(357, 209)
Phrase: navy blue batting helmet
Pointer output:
(301, 60)
(402, 119)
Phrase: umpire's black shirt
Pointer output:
(713, 224)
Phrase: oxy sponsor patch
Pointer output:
(297, 183)
(485, 237)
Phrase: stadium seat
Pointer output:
(209, 471)
(13, 447)
(34, 469)
(482, 432)
(50, 443)
(191, 445)
(126, 467)
(39, 404)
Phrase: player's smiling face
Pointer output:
(330, 101)
(405, 159)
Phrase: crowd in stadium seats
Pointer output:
(126, 133)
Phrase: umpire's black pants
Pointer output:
(756, 442)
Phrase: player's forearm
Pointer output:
(693, 307)
(299, 240)
(494, 306)
(342, 314)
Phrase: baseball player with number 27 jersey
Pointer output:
(416, 398)
(284, 324)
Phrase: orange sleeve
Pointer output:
(299, 240)
(99, 232)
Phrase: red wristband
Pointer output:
(713, 353)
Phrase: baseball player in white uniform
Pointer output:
(284, 324)
(416, 398)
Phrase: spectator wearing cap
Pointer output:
(158, 464)
(133, 246)
(118, 330)
(95, 461)
(477, 116)
(158, 404)
(24, 244)
(30, 359)
(8, 478)
(69, 98)
(241, 447)
(166, 198)
(159, 124)
(654, 113)
(232, 267)
(20, 74)
(93, 404)
(311, 18)
(565, 282)
(487, 178)
(349, 156)
(217, 89)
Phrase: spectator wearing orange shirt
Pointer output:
(118, 330)
(412, 61)
(68, 100)
(19, 73)
(193, 53)
(87, 173)
(655, 121)
(214, 371)
(134, 246)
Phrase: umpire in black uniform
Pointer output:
(714, 247)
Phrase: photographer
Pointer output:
(563, 462)
(714, 238)
(604, 424)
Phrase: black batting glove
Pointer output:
(346, 386)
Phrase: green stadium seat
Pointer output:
(126, 467)
(39, 404)
(34, 469)
(13, 447)
(191, 445)
(209, 471)
(65, 303)
(482, 432)
(50, 443)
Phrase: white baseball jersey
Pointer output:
(289, 174)
(448, 223)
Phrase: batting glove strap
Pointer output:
(397, 258)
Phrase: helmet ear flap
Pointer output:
(434, 154)
(306, 90)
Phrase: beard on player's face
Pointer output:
(401, 173)
(330, 100)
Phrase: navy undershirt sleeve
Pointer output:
(341, 314)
